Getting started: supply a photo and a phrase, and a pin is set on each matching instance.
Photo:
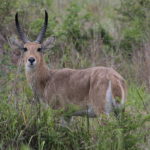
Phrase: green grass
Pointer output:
(88, 33)
(24, 125)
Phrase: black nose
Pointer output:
(31, 60)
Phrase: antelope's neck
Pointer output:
(38, 78)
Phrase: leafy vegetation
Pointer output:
(24, 123)
(136, 15)
(109, 33)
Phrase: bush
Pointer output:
(135, 20)
(26, 125)
(6, 9)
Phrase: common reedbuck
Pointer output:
(99, 89)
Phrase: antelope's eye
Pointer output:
(39, 49)
(25, 49)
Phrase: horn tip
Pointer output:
(16, 15)
(46, 17)
(46, 11)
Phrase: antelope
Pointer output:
(96, 90)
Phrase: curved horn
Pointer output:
(43, 30)
(19, 29)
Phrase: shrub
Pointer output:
(6, 9)
(135, 21)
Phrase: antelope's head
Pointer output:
(33, 51)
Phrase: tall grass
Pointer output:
(88, 33)
(24, 126)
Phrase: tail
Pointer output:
(123, 97)
(111, 103)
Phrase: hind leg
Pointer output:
(65, 121)
(85, 112)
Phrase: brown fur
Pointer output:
(85, 87)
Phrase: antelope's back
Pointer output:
(85, 86)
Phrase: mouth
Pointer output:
(30, 66)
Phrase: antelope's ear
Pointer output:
(48, 43)
(16, 43)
